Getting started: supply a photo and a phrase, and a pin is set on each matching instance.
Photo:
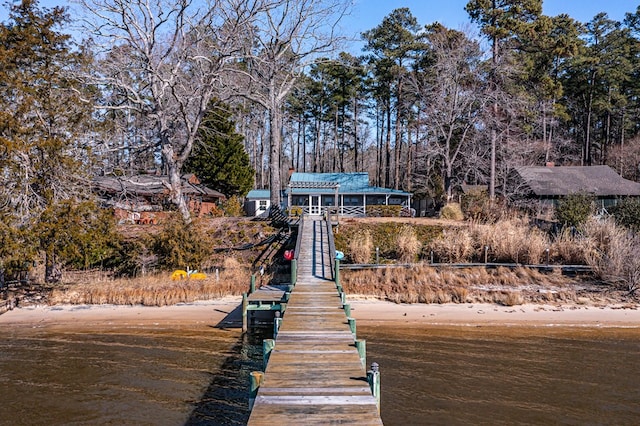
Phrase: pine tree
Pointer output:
(219, 159)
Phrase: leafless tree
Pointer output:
(162, 60)
(452, 98)
(287, 35)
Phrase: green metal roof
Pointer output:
(256, 194)
(349, 183)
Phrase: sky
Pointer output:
(368, 14)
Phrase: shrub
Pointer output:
(361, 246)
(452, 211)
(383, 211)
(232, 207)
(575, 209)
(627, 214)
(407, 244)
(181, 245)
(475, 203)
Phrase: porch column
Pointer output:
(337, 200)
(289, 199)
(364, 204)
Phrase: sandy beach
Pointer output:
(366, 311)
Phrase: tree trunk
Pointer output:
(52, 269)
(175, 182)
(275, 184)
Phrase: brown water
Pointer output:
(127, 376)
(198, 375)
(489, 375)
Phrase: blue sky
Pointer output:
(369, 13)
(451, 13)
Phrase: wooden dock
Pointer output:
(315, 372)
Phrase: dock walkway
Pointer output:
(314, 373)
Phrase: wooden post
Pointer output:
(245, 305)
(252, 287)
(337, 274)
(373, 377)
(352, 326)
(255, 380)
(294, 271)
(361, 346)
(347, 309)
(267, 347)
(343, 298)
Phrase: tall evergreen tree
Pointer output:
(219, 159)
(43, 158)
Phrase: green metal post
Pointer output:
(347, 309)
(267, 347)
(352, 325)
(294, 271)
(255, 380)
(373, 377)
(252, 288)
(361, 346)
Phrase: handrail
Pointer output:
(298, 238)
(332, 246)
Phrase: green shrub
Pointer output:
(452, 211)
(181, 245)
(627, 213)
(383, 211)
(575, 209)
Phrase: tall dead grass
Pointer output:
(511, 240)
(424, 284)
(455, 246)
(407, 244)
(158, 290)
(613, 253)
(361, 247)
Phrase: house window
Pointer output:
(328, 200)
(262, 205)
(352, 200)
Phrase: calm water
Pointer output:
(198, 375)
(488, 375)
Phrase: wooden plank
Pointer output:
(314, 374)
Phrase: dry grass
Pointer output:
(455, 246)
(158, 290)
(361, 247)
(511, 240)
(452, 211)
(408, 245)
(424, 284)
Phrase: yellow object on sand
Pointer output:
(198, 276)
(179, 274)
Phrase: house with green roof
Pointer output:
(257, 202)
(347, 194)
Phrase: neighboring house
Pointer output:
(347, 193)
(133, 197)
(257, 202)
(549, 184)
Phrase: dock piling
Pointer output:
(373, 377)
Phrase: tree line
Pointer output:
(240, 91)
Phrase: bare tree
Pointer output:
(452, 98)
(162, 60)
(288, 35)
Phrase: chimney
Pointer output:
(291, 171)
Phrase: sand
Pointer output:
(226, 312)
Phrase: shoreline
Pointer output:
(226, 312)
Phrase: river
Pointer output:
(197, 375)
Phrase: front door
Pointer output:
(314, 205)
